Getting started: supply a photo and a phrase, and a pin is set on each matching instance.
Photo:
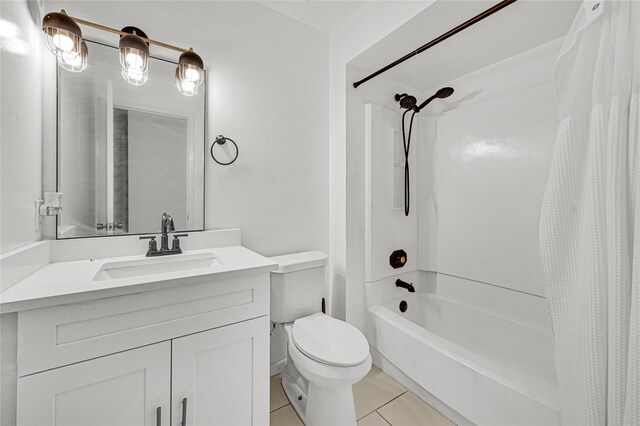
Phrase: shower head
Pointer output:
(406, 101)
(445, 92)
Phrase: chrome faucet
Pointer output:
(166, 226)
(407, 286)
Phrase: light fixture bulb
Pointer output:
(134, 60)
(191, 74)
(63, 42)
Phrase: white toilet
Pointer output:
(325, 356)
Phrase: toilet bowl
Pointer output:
(325, 356)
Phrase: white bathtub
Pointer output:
(490, 368)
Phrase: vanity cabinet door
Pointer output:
(222, 376)
(121, 389)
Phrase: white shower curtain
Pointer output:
(590, 224)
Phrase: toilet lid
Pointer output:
(330, 341)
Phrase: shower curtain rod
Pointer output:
(464, 25)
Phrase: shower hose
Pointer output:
(406, 141)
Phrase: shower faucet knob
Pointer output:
(398, 259)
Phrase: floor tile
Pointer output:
(375, 390)
(409, 410)
(278, 398)
(373, 419)
(285, 416)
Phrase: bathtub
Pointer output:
(490, 368)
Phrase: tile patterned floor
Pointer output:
(379, 400)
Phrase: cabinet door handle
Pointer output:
(184, 412)
(159, 416)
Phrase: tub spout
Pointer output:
(408, 286)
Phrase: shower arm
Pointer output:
(443, 37)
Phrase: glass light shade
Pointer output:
(187, 88)
(75, 63)
(63, 35)
(190, 73)
(135, 76)
(134, 58)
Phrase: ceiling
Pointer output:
(514, 29)
(324, 15)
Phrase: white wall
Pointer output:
(20, 159)
(21, 50)
(493, 150)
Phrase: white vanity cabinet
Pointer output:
(198, 351)
(129, 388)
(215, 377)
(221, 377)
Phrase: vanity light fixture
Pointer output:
(64, 39)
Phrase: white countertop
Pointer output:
(71, 282)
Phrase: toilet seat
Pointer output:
(330, 341)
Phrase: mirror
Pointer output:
(127, 153)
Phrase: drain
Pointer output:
(403, 306)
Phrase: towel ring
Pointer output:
(221, 140)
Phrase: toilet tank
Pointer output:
(296, 287)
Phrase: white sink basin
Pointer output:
(156, 265)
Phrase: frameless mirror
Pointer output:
(127, 153)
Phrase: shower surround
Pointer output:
(475, 339)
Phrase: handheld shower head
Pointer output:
(406, 101)
(445, 92)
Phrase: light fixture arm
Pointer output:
(115, 31)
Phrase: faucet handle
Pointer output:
(175, 244)
(153, 246)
